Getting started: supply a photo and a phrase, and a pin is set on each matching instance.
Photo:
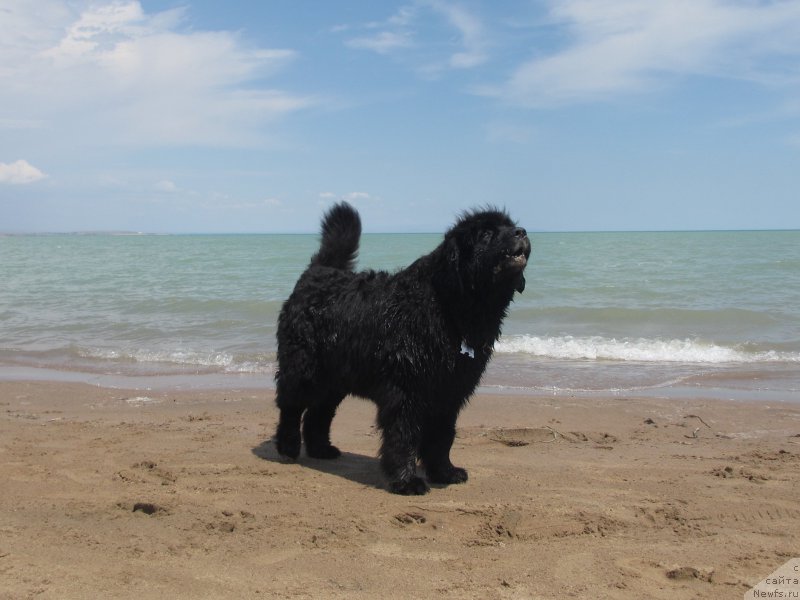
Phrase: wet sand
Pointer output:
(130, 494)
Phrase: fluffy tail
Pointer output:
(341, 230)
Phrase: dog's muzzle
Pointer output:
(518, 252)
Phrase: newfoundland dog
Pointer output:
(416, 342)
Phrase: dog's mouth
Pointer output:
(516, 257)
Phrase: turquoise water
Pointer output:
(712, 312)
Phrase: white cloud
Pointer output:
(355, 196)
(114, 72)
(348, 197)
(629, 46)
(382, 42)
(399, 32)
(95, 26)
(404, 16)
(166, 186)
(229, 203)
(20, 172)
(472, 33)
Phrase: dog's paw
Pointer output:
(413, 487)
(450, 475)
(288, 446)
(324, 452)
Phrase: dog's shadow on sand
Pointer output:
(358, 468)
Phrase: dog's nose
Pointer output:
(520, 232)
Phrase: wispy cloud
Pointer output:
(473, 43)
(138, 77)
(617, 47)
(400, 32)
(352, 197)
(166, 186)
(355, 196)
(382, 42)
(20, 172)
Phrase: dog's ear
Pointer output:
(519, 285)
(449, 275)
(454, 265)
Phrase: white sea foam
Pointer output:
(637, 350)
(215, 361)
(140, 400)
(178, 357)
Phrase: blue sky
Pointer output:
(206, 116)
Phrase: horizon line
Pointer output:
(125, 233)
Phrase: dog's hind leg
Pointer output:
(291, 406)
(317, 427)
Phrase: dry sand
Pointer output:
(114, 494)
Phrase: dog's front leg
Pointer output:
(401, 439)
(438, 433)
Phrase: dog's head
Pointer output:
(485, 250)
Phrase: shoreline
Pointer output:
(690, 387)
(132, 493)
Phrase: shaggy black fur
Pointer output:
(416, 342)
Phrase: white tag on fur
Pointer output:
(467, 350)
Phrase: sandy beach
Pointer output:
(129, 494)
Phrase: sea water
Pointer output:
(706, 313)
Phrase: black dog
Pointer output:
(416, 342)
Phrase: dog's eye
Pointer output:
(487, 236)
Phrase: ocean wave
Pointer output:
(716, 318)
(214, 361)
(638, 350)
